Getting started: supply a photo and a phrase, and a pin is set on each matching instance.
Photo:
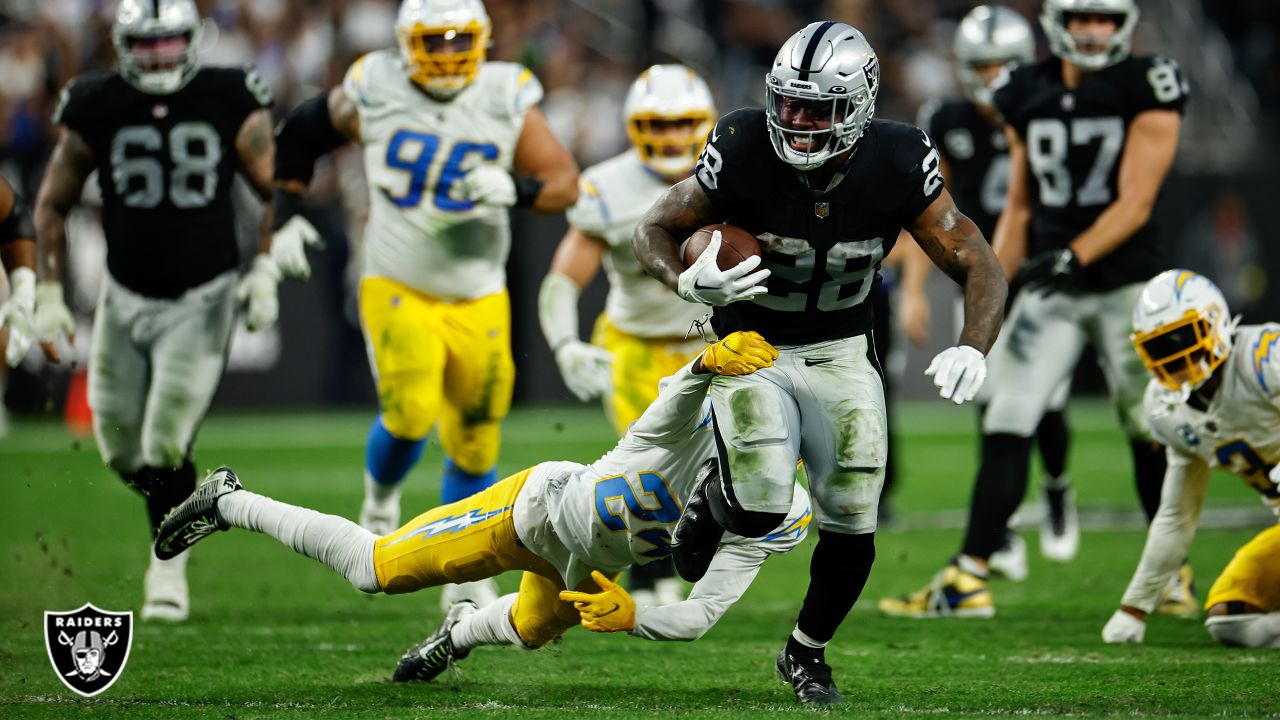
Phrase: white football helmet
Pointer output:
(660, 96)
(156, 42)
(443, 43)
(1053, 18)
(990, 35)
(830, 68)
(1182, 328)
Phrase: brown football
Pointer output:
(736, 245)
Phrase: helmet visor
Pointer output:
(1179, 353)
(807, 125)
(159, 53)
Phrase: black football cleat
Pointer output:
(810, 677)
(697, 534)
(425, 661)
(197, 517)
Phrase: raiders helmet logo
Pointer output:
(88, 647)
(872, 71)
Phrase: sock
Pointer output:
(335, 541)
(967, 564)
(1149, 464)
(1001, 484)
(837, 574)
(387, 458)
(490, 625)
(1054, 440)
(457, 483)
(799, 642)
(170, 487)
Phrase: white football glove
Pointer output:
(258, 287)
(958, 372)
(289, 247)
(18, 314)
(490, 185)
(585, 369)
(706, 284)
(1124, 628)
(52, 318)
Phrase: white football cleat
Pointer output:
(165, 588)
(480, 592)
(380, 512)
(1011, 559)
(1060, 527)
(668, 591)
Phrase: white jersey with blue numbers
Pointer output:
(621, 509)
(613, 195)
(422, 230)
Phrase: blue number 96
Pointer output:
(414, 152)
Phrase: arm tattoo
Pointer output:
(70, 165)
(257, 149)
(956, 246)
(678, 213)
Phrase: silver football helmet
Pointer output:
(156, 42)
(1053, 18)
(829, 73)
(990, 35)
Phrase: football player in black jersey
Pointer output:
(826, 190)
(975, 165)
(166, 137)
(1092, 133)
(18, 255)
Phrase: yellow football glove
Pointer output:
(611, 610)
(741, 353)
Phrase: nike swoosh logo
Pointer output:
(615, 609)
(715, 134)
(810, 362)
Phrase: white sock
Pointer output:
(1061, 482)
(335, 541)
(379, 492)
(967, 564)
(490, 625)
(805, 640)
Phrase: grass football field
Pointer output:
(273, 634)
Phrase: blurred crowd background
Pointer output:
(586, 52)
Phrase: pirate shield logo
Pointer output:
(88, 647)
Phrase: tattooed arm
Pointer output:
(256, 147)
(681, 210)
(957, 247)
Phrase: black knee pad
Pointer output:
(746, 523)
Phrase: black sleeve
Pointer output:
(726, 159)
(79, 102)
(306, 134)
(1008, 97)
(1156, 83)
(245, 91)
(18, 225)
(917, 174)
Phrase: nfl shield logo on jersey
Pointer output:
(88, 647)
(821, 209)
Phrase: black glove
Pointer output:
(1049, 271)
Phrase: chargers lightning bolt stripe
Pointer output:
(1183, 277)
(1262, 355)
(451, 523)
(795, 529)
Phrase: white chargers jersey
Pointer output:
(620, 510)
(422, 230)
(1239, 430)
(613, 195)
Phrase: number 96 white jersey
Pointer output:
(422, 230)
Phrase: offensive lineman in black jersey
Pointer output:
(1092, 133)
(975, 164)
(826, 190)
(166, 137)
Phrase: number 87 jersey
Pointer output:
(423, 231)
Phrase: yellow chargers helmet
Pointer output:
(1181, 328)
(443, 42)
(669, 113)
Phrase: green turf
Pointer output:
(275, 635)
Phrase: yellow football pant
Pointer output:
(473, 539)
(1253, 575)
(638, 364)
(446, 361)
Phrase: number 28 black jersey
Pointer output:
(166, 165)
(1075, 140)
(823, 248)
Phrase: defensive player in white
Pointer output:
(566, 525)
(643, 335)
(451, 141)
(1215, 403)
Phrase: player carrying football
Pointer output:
(826, 190)
(1092, 132)
(564, 524)
(166, 137)
(643, 335)
(1215, 403)
(451, 141)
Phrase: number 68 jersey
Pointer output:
(165, 164)
(422, 231)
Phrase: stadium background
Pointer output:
(1215, 209)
